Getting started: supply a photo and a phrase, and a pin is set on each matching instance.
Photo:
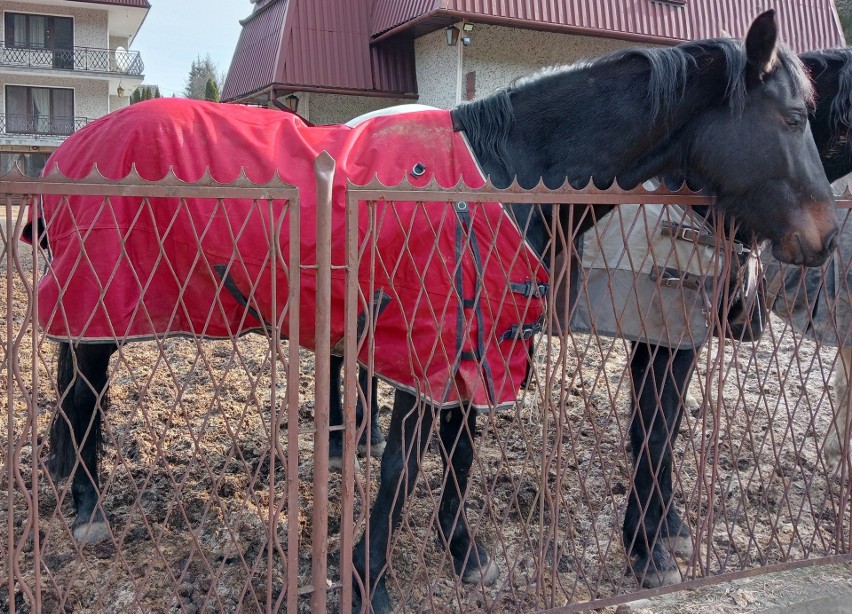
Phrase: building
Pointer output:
(63, 63)
(336, 59)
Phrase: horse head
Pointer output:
(757, 154)
(731, 116)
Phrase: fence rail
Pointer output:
(215, 473)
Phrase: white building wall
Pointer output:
(337, 109)
(90, 26)
(497, 55)
(90, 96)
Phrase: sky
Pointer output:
(175, 32)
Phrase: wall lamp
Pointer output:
(452, 33)
(120, 90)
(292, 102)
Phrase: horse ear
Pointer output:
(762, 43)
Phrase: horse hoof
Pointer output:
(691, 403)
(680, 544)
(676, 535)
(832, 454)
(91, 532)
(380, 602)
(335, 463)
(666, 577)
(487, 575)
(658, 570)
(376, 449)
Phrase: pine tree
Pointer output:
(202, 70)
(211, 92)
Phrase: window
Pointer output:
(39, 110)
(55, 34)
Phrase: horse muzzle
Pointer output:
(795, 248)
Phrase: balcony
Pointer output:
(77, 59)
(27, 125)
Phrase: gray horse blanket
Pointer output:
(817, 301)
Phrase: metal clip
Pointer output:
(522, 331)
(672, 278)
(529, 289)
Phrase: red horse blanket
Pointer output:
(452, 282)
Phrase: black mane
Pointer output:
(488, 121)
(841, 105)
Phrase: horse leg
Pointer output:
(675, 533)
(335, 443)
(335, 416)
(838, 428)
(75, 432)
(374, 432)
(407, 437)
(651, 520)
(471, 560)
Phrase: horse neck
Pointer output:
(560, 130)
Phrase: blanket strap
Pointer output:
(697, 235)
(234, 291)
(465, 227)
(673, 278)
(529, 289)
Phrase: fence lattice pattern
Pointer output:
(215, 477)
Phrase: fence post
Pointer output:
(324, 169)
(11, 365)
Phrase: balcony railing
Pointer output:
(27, 125)
(85, 59)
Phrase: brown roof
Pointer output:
(318, 45)
(804, 24)
(366, 46)
(142, 4)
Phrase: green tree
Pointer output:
(202, 70)
(145, 92)
(211, 92)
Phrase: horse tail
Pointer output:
(77, 418)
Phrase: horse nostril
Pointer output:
(831, 243)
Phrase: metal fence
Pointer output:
(87, 59)
(40, 126)
(215, 472)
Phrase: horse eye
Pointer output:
(794, 121)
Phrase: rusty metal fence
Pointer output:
(215, 473)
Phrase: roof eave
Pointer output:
(318, 89)
(523, 24)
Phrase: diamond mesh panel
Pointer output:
(209, 456)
